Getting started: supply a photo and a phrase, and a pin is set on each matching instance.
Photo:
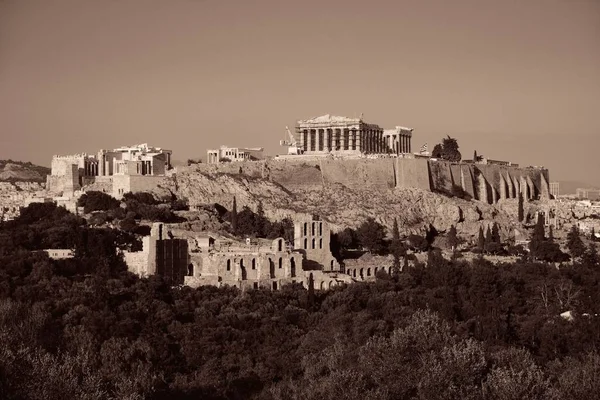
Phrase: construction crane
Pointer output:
(291, 144)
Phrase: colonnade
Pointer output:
(334, 139)
(90, 168)
(398, 143)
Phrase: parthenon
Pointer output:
(329, 133)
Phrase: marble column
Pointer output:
(342, 138)
(318, 137)
(309, 140)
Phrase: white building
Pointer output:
(225, 154)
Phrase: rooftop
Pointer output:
(329, 118)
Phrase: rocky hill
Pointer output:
(18, 171)
(342, 206)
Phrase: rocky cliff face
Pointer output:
(343, 207)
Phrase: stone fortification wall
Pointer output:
(489, 182)
(485, 182)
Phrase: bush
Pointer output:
(97, 201)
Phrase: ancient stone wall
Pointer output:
(486, 182)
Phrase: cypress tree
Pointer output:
(234, 216)
(481, 240)
(488, 239)
(475, 158)
(574, 243)
(521, 211)
(537, 238)
(495, 233)
(311, 292)
(550, 234)
(398, 249)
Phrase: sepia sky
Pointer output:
(514, 79)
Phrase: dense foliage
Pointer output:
(447, 150)
(85, 328)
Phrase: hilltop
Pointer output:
(283, 195)
(19, 171)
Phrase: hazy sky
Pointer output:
(515, 79)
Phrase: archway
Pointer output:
(292, 267)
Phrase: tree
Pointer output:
(488, 240)
(311, 291)
(475, 157)
(452, 238)
(574, 243)
(233, 220)
(481, 240)
(496, 234)
(593, 234)
(521, 210)
(261, 220)
(450, 150)
(398, 249)
(371, 235)
(550, 234)
(538, 236)
(437, 151)
(97, 201)
(590, 257)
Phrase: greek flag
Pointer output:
(424, 148)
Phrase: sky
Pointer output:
(515, 80)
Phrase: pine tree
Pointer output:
(521, 211)
(234, 216)
(574, 243)
(481, 241)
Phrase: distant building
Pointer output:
(232, 154)
(589, 194)
(555, 189)
(60, 254)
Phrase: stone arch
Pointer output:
(331, 284)
(228, 264)
(254, 263)
(190, 269)
(313, 229)
(322, 285)
(280, 245)
(375, 271)
(271, 269)
(244, 273)
(320, 243)
(320, 229)
(362, 273)
(368, 271)
(305, 228)
(332, 265)
(355, 272)
(313, 243)
(305, 243)
(390, 270)
(292, 267)
(241, 263)
(280, 262)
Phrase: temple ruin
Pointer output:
(253, 264)
(116, 172)
(344, 135)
